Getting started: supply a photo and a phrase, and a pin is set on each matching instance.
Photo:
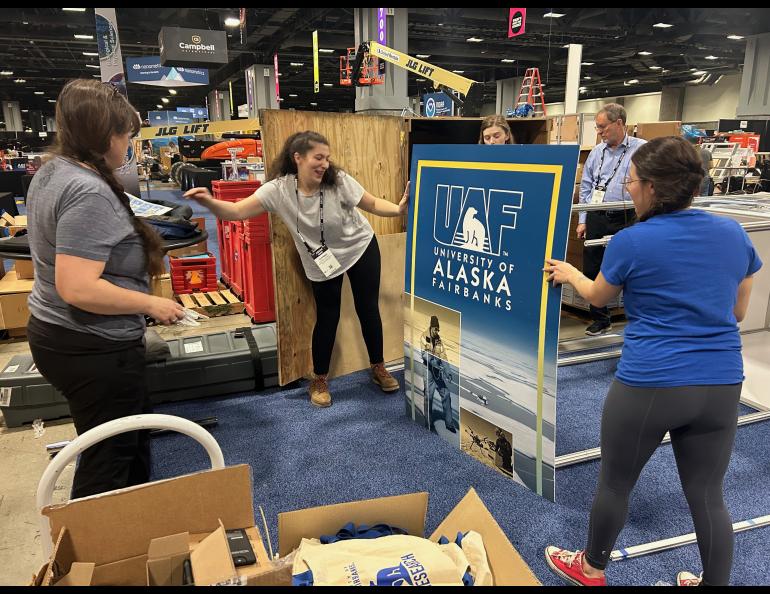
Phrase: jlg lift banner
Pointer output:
(198, 129)
(481, 321)
(436, 74)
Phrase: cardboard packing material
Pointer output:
(160, 286)
(115, 530)
(25, 270)
(14, 312)
(408, 512)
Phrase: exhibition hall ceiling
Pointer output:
(625, 50)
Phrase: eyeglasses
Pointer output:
(600, 128)
(628, 180)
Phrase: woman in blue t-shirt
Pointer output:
(681, 369)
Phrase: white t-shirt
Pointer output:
(346, 231)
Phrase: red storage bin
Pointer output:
(235, 257)
(259, 296)
(193, 274)
(229, 244)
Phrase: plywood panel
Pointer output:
(373, 150)
(650, 130)
(349, 349)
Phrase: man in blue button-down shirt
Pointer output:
(603, 174)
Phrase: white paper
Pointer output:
(11, 369)
(193, 347)
(142, 208)
(5, 396)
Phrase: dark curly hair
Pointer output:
(673, 167)
(301, 143)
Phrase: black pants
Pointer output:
(102, 380)
(702, 421)
(364, 278)
(598, 224)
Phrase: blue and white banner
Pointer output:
(481, 320)
(148, 71)
(168, 118)
(437, 104)
(198, 113)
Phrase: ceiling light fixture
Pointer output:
(90, 54)
(586, 78)
(699, 72)
(662, 25)
(645, 53)
(459, 71)
(92, 66)
(423, 56)
(164, 100)
(83, 36)
(735, 37)
(293, 95)
(171, 92)
(232, 21)
(712, 57)
(553, 15)
(587, 63)
(314, 104)
(326, 51)
(328, 85)
(297, 64)
(159, 106)
(52, 101)
(474, 40)
(20, 80)
(656, 67)
(507, 61)
(74, 9)
(6, 72)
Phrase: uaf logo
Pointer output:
(475, 219)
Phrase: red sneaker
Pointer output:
(568, 565)
(685, 578)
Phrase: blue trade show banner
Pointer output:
(437, 104)
(201, 113)
(148, 71)
(481, 321)
(168, 118)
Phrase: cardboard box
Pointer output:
(14, 312)
(202, 247)
(24, 269)
(115, 530)
(160, 286)
(408, 512)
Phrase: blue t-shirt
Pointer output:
(680, 274)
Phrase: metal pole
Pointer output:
(579, 359)
(596, 453)
(680, 541)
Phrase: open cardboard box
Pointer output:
(114, 530)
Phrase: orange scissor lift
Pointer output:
(369, 73)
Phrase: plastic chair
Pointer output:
(134, 423)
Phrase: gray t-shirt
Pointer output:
(346, 231)
(73, 211)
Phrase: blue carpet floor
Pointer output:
(364, 447)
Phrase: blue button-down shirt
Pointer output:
(592, 177)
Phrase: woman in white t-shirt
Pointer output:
(317, 202)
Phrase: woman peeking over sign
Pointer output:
(317, 201)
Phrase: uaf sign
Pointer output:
(191, 47)
(482, 222)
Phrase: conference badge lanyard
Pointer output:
(323, 257)
(597, 197)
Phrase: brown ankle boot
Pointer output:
(319, 392)
(382, 378)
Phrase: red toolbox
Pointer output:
(230, 191)
(257, 266)
(193, 273)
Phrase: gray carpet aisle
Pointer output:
(364, 447)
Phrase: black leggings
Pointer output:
(364, 278)
(102, 380)
(702, 421)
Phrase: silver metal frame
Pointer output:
(680, 541)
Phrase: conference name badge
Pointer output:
(326, 261)
(598, 196)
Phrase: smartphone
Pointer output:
(240, 547)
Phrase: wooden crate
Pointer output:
(213, 304)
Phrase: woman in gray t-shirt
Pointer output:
(317, 202)
(92, 258)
